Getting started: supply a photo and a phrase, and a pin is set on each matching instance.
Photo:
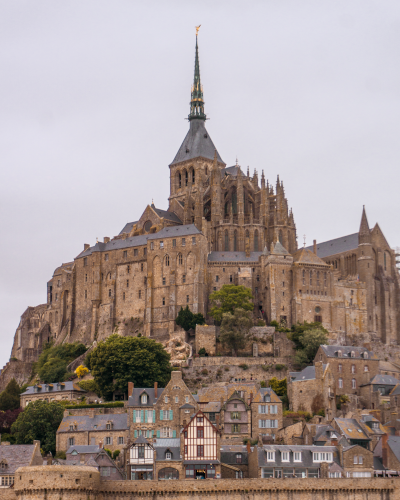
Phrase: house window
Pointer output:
(106, 256)
(125, 254)
(167, 260)
(166, 399)
(163, 301)
(193, 240)
(353, 383)
(186, 399)
(183, 242)
(120, 440)
(238, 458)
(85, 294)
(230, 278)
(71, 441)
(200, 432)
(270, 456)
(161, 244)
(164, 281)
(128, 268)
(174, 243)
(152, 245)
(168, 455)
(200, 450)
(144, 251)
(141, 451)
(322, 457)
(217, 278)
(140, 294)
(180, 259)
(285, 456)
(85, 280)
(184, 278)
(135, 252)
(340, 383)
(200, 420)
(108, 440)
(187, 299)
(109, 292)
(166, 432)
(236, 428)
(211, 416)
(85, 261)
(235, 415)
(339, 368)
(108, 426)
(353, 368)
(144, 399)
(127, 283)
(297, 456)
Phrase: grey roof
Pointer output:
(279, 249)
(378, 464)
(233, 257)
(68, 386)
(164, 445)
(201, 462)
(84, 449)
(135, 400)
(233, 170)
(87, 423)
(338, 245)
(228, 454)
(136, 241)
(16, 455)
(128, 227)
(307, 374)
(186, 405)
(196, 143)
(324, 430)
(332, 351)
(394, 444)
(306, 455)
(395, 391)
(141, 440)
(383, 380)
(166, 215)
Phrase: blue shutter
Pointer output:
(142, 416)
(154, 416)
(161, 415)
(158, 434)
(170, 415)
(135, 434)
(174, 434)
(145, 416)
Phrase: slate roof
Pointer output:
(136, 241)
(338, 245)
(68, 386)
(332, 350)
(87, 423)
(378, 464)
(233, 171)
(16, 455)
(128, 227)
(84, 449)
(308, 373)
(351, 429)
(388, 366)
(395, 391)
(325, 431)
(134, 400)
(306, 455)
(166, 214)
(233, 257)
(141, 440)
(279, 249)
(196, 143)
(383, 380)
(212, 406)
(186, 406)
(228, 454)
(163, 445)
(304, 256)
(394, 444)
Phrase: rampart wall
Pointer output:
(77, 483)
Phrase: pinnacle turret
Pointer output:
(197, 102)
(364, 234)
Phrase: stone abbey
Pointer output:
(223, 226)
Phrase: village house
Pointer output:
(234, 461)
(95, 456)
(59, 391)
(352, 432)
(376, 392)
(13, 456)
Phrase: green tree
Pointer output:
(52, 363)
(39, 420)
(229, 298)
(278, 386)
(298, 330)
(9, 398)
(119, 360)
(188, 320)
(310, 341)
(234, 328)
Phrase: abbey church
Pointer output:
(222, 226)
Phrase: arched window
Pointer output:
(168, 473)
(143, 399)
(179, 180)
(234, 202)
(226, 245)
(353, 354)
(193, 176)
(167, 260)
(353, 383)
(186, 177)
(365, 355)
(340, 383)
(206, 171)
(235, 241)
(310, 277)
(256, 240)
(168, 455)
(384, 260)
(180, 259)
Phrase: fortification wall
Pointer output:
(74, 483)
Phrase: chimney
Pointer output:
(100, 444)
(86, 246)
(334, 442)
(130, 389)
(155, 389)
(175, 376)
(248, 446)
(315, 247)
(318, 370)
(106, 239)
(385, 451)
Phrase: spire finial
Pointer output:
(197, 103)
(237, 161)
(304, 236)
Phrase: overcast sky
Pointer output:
(93, 96)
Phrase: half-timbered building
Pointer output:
(141, 459)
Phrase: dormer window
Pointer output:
(339, 353)
(168, 455)
(365, 355)
(238, 458)
(109, 426)
(144, 399)
(267, 398)
(353, 354)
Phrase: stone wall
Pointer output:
(206, 336)
(76, 483)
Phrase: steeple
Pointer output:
(196, 102)
(364, 235)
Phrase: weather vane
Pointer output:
(197, 29)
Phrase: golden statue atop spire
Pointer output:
(197, 29)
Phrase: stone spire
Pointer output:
(196, 102)
(364, 234)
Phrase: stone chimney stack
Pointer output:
(315, 247)
(155, 389)
(248, 446)
(106, 239)
(318, 370)
(100, 444)
(86, 246)
(130, 389)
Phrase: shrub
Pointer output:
(115, 454)
(89, 385)
(298, 415)
(244, 366)
(278, 367)
(108, 451)
(227, 368)
(260, 322)
(266, 368)
(61, 455)
(263, 384)
(204, 371)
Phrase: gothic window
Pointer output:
(180, 259)
(193, 176)
(353, 383)
(167, 260)
(226, 208)
(180, 180)
(127, 283)
(234, 202)
(163, 301)
(206, 171)
(235, 241)
(310, 277)
(256, 241)
(85, 294)
(186, 178)
(226, 245)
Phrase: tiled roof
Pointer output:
(233, 257)
(351, 429)
(87, 423)
(388, 366)
(332, 351)
(304, 256)
(338, 245)
(212, 406)
(135, 399)
(51, 388)
(16, 455)
(222, 390)
(197, 143)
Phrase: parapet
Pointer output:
(55, 477)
